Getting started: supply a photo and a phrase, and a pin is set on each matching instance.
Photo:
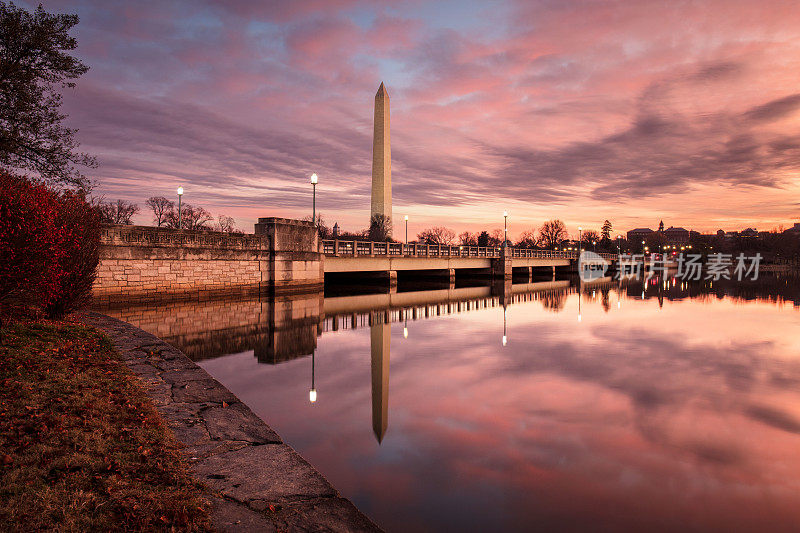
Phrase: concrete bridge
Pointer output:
(283, 256)
(390, 258)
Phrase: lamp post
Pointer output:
(619, 244)
(406, 230)
(180, 218)
(505, 228)
(580, 240)
(314, 199)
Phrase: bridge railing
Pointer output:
(356, 248)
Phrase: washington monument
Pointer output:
(381, 158)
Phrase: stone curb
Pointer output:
(256, 481)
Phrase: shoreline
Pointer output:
(256, 480)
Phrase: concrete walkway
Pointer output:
(255, 481)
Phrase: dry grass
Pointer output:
(82, 447)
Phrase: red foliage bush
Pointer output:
(78, 225)
(49, 245)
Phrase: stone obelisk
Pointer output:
(381, 158)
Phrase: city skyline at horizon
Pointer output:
(581, 112)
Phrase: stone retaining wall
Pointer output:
(142, 263)
(256, 482)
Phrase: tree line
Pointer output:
(165, 215)
(551, 234)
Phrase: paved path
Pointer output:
(256, 482)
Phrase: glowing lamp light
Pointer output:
(579, 318)
(406, 218)
(505, 340)
(180, 191)
(312, 395)
(314, 178)
(405, 333)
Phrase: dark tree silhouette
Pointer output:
(191, 218)
(605, 230)
(161, 208)
(552, 233)
(226, 224)
(380, 228)
(34, 67)
(437, 235)
(119, 212)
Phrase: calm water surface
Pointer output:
(664, 407)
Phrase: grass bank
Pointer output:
(82, 447)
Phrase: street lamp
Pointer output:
(505, 228)
(314, 180)
(406, 230)
(180, 219)
(619, 244)
(580, 229)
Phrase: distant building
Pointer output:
(639, 234)
(749, 233)
(676, 235)
(795, 228)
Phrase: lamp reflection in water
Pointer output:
(405, 327)
(312, 394)
(505, 326)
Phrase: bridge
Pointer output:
(139, 263)
(389, 258)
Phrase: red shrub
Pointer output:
(78, 233)
(28, 243)
(48, 246)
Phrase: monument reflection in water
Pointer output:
(657, 406)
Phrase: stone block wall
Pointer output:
(140, 263)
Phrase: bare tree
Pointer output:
(468, 239)
(437, 235)
(552, 233)
(191, 218)
(323, 231)
(119, 212)
(380, 228)
(161, 208)
(527, 239)
(496, 238)
(226, 224)
(590, 236)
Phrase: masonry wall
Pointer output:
(141, 263)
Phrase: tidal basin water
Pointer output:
(606, 407)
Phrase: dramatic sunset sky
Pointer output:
(631, 111)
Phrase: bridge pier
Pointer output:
(501, 266)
